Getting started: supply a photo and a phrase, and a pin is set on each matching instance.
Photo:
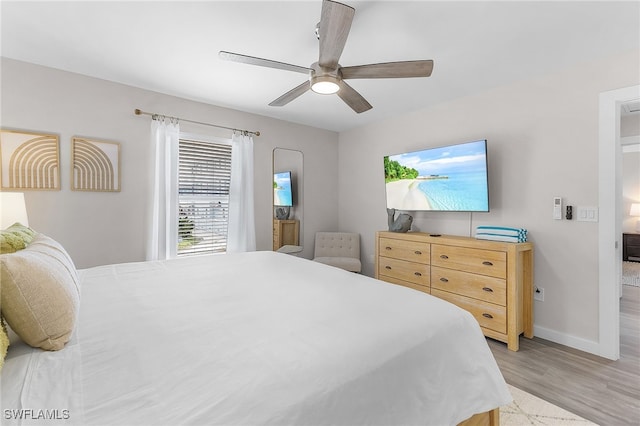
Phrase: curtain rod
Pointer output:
(154, 115)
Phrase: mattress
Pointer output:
(259, 338)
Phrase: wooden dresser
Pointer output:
(492, 280)
(285, 232)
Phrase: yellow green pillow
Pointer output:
(4, 342)
(16, 237)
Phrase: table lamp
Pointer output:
(13, 209)
(635, 211)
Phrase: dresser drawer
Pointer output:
(631, 247)
(407, 250)
(632, 239)
(488, 315)
(413, 272)
(477, 261)
(481, 287)
(414, 286)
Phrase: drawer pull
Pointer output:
(387, 248)
(444, 256)
(444, 280)
(490, 290)
(418, 252)
(486, 315)
(486, 262)
(387, 267)
(417, 274)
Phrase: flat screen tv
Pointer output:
(448, 178)
(282, 193)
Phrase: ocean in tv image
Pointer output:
(450, 178)
(282, 194)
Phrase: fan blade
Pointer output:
(333, 30)
(252, 60)
(389, 70)
(352, 98)
(291, 94)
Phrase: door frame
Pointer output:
(610, 216)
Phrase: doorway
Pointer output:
(609, 229)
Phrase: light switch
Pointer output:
(587, 214)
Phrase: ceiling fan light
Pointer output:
(325, 85)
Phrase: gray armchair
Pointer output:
(339, 249)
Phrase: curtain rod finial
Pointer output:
(257, 133)
(137, 111)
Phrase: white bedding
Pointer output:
(259, 338)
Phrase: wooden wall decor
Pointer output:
(95, 165)
(29, 161)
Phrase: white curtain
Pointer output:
(241, 234)
(163, 203)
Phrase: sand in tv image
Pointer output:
(450, 178)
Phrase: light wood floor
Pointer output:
(603, 391)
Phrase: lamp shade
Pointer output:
(635, 209)
(12, 209)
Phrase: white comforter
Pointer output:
(254, 339)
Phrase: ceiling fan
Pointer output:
(327, 76)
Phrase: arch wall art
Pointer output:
(96, 165)
(29, 161)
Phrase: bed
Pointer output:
(260, 338)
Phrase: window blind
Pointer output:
(204, 174)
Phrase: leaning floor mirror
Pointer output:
(288, 178)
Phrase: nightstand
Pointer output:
(631, 247)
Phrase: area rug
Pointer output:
(527, 409)
(631, 273)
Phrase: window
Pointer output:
(204, 175)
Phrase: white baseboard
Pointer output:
(567, 340)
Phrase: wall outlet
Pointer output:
(538, 294)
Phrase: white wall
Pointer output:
(103, 228)
(543, 142)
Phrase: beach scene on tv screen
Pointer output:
(452, 178)
(282, 194)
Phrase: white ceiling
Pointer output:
(172, 47)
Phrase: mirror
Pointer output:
(288, 205)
